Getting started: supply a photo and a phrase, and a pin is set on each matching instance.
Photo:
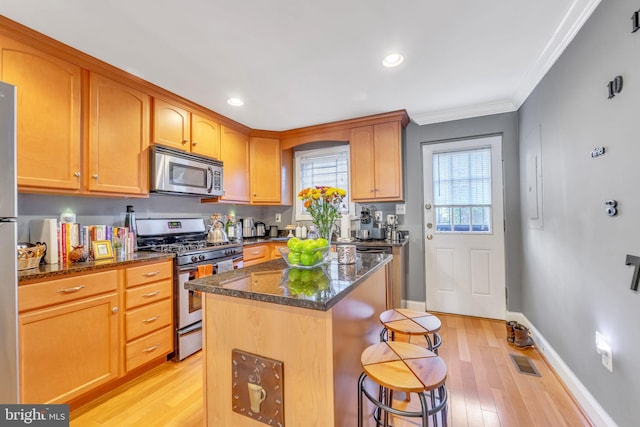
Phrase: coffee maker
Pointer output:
(378, 232)
(392, 228)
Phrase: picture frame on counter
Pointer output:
(102, 249)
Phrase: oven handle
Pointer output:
(194, 267)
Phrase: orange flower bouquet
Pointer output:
(323, 204)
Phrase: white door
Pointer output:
(464, 227)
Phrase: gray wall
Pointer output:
(574, 278)
(416, 136)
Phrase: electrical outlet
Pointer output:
(278, 217)
(604, 349)
(401, 209)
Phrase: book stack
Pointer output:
(71, 235)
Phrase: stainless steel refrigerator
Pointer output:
(9, 385)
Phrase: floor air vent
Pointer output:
(524, 365)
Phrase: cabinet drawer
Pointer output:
(58, 291)
(148, 293)
(254, 252)
(143, 350)
(149, 273)
(148, 318)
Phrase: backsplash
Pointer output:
(108, 211)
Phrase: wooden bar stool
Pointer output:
(403, 367)
(411, 322)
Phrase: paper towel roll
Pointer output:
(345, 226)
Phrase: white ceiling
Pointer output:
(297, 63)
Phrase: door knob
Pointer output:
(427, 206)
(429, 236)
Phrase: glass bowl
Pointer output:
(305, 260)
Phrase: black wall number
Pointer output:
(635, 21)
(615, 86)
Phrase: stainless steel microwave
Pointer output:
(177, 172)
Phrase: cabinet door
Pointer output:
(171, 125)
(388, 161)
(48, 116)
(118, 138)
(362, 163)
(234, 152)
(69, 349)
(265, 171)
(205, 136)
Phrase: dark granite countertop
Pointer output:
(317, 289)
(47, 271)
(365, 243)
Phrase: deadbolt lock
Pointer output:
(429, 225)
(427, 206)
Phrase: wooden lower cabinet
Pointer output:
(80, 333)
(68, 349)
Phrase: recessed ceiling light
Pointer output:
(236, 102)
(392, 60)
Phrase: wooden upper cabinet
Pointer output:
(376, 162)
(48, 116)
(118, 160)
(234, 153)
(361, 166)
(171, 125)
(265, 171)
(205, 136)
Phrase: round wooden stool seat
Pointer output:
(412, 322)
(403, 367)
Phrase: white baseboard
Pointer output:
(414, 305)
(589, 404)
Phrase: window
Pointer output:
(462, 191)
(325, 166)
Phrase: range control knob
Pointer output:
(194, 258)
(202, 257)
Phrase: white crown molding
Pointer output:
(577, 14)
(496, 107)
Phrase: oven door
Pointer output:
(189, 302)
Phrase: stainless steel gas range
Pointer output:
(195, 256)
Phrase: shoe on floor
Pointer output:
(522, 339)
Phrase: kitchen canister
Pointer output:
(346, 254)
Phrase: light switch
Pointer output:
(401, 209)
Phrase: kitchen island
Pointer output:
(312, 326)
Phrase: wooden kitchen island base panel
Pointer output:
(320, 351)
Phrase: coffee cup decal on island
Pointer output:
(257, 395)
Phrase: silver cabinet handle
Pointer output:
(76, 174)
(151, 294)
(114, 310)
(69, 290)
(150, 349)
(255, 252)
(151, 319)
(194, 143)
(151, 273)
(94, 176)
(184, 141)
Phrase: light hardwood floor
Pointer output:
(484, 387)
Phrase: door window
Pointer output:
(462, 191)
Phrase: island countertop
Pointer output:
(273, 282)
